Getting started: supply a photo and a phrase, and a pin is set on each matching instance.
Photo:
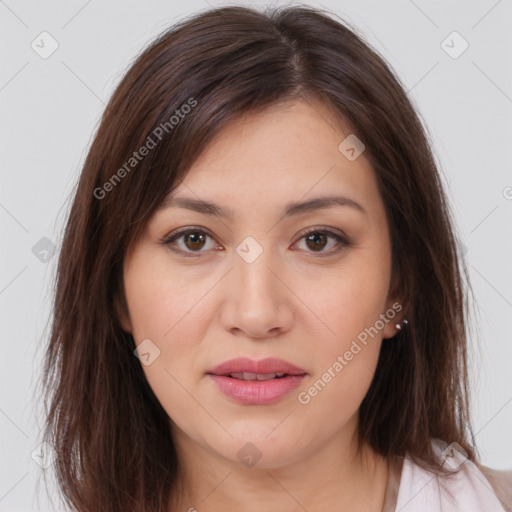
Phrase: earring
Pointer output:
(399, 326)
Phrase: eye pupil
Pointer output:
(314, 237)
(194, 236)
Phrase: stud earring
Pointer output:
(399, 326)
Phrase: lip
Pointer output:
(256, 392)
(268, 365)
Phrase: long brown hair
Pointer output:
(111, 435)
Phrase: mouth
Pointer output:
(249, 376)
(243, 368)
(251, 382)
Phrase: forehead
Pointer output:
(284, 153)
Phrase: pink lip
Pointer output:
(256, 392)
(268, 365)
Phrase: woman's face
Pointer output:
(254, 284)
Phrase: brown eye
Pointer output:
(189, 241)
(317, 240)
(194, 240)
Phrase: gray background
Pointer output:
(51, 107)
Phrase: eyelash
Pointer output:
(170, 239)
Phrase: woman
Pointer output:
(259, 300)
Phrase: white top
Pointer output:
(474, 488)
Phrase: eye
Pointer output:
(194, 240)
(317, 239)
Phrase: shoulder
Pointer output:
(470, 488)
(501, 482)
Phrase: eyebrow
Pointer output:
(290, 209)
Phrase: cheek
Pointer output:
(166, 307)
(349, 302)
(160, 300)
(346, 353)
(160, 311)
(350, 299)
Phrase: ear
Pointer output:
(395, 314)
(395, 310)
(123, 316)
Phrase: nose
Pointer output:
(257, 300)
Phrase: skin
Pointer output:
(289, 303)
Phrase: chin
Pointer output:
(258, 450)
